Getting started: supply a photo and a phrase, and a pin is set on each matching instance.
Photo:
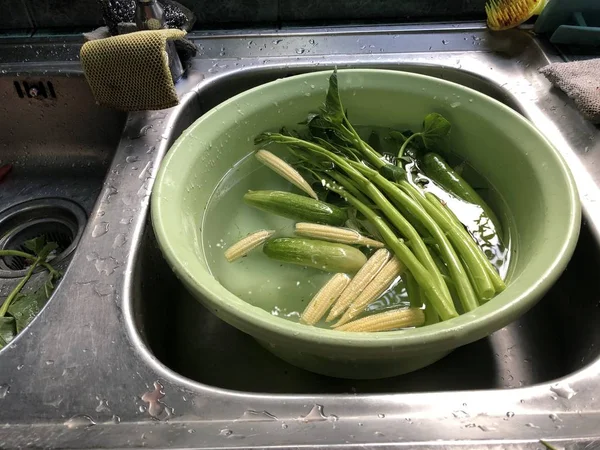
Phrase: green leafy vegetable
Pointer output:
(435, 129)
(8, 330)
(23, 307)
(26, 306)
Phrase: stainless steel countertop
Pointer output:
(91, 393)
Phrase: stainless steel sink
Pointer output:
(193, 342)
(60, 145)
(123, 357)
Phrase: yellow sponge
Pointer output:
(505, 14)
(130, 72)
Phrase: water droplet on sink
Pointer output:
(563, 390)
(119, 241)
(4, 389)
(300, 51)
(555, 418)
(460, 414)
(381, 416)
(132, 159)
(102, 405)
(530, 425)
(445, 42)
(79, 421)
(100, 229)
(510, 414)
(156, 408)
(284, 426)
(20, 366)
(316, 414)
(50, 362)
(106, 266)
(251, 415)
(143, 132)
(116, 419)
(226, 432)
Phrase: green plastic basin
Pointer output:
(501, 145)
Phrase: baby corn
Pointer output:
(335, 234)
(245, 245)
(323, 299)
(388, 320)
(283, 169)
(360, 281)
(382, 281)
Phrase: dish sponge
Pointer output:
(131, 72)
(505, 14)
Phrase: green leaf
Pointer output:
(26, 306)
(8, 330)
(333, 109)
(323, 128)
(46, 250)
(36, 245)
(435, 130)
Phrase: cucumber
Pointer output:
(438, 170)
(322, 255)
(296, 207)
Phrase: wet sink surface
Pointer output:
(58, 140)
(60, 145)
(547, 343)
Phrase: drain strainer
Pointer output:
(57, 220)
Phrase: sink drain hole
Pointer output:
(50, 230)
(55, 220)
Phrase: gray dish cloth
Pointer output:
(580, 80)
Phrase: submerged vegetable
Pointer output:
(439, 171)
(323, 299)
(283, 169)
(364, 276)
(247, 244)
(386, 321)
(296, 207)
(378, 285)
(335, 234)
(322, 255)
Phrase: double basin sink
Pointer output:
(123, 357)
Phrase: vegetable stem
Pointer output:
(30, 257)
(18, 288)
(464, 244)
(484, 262)
(442, 303)
(457, 272)
(367, 187)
